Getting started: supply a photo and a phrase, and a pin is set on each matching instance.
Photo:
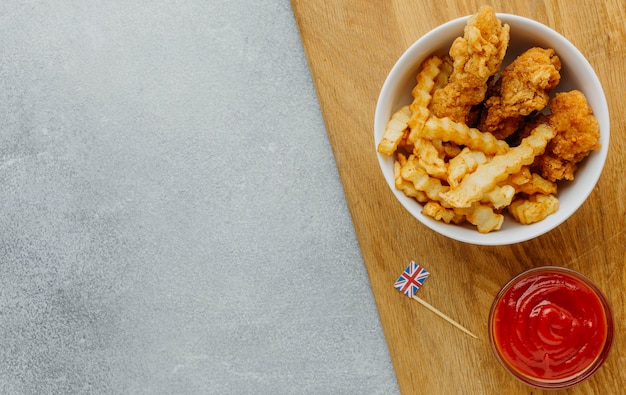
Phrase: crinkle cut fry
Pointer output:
(459, 133)
(422, 181)
(414, 115)
(531, 183)
(395, 131)
(487, 176)
(406, 186)
(443, 77)
(534, 209)
(435, 210)
(447, 149)
(425, 79)
(465, 162)
(429, 158)
(499, 196)
(483, 216)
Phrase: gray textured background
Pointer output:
(172, 219)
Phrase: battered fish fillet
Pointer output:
(523, 87)
(477, 56)
(577, 134)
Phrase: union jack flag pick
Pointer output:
(412, 279)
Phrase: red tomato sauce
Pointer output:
(550, 326)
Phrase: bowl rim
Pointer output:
(410, 60)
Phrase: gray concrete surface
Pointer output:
(171, 217)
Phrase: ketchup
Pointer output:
(551, 325)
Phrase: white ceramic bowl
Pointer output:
(576, 73)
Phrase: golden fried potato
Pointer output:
(422, 181)
(396, 131)
(499, 196)
(449, 149)
(459, 133)
(437, 211)
(405, 186)
(534, 209)
(483, 216)
(521, 177)
(488, 175)
(422, 95)
(464, 163)
(430, 158)
(531, 183)
(443, 77)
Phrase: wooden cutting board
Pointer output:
(351, 46)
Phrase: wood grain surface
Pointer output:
(351, 46)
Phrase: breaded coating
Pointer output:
(523, 87)
(577, 134)
(477, 56)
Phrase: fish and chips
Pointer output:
(477, 140)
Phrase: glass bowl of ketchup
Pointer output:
(551, 327)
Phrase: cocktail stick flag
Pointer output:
(411, 280)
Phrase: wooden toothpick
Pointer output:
(411, 280)
(442, 315)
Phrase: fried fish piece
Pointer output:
(523, 87)
(477, 56)
(577, 134)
